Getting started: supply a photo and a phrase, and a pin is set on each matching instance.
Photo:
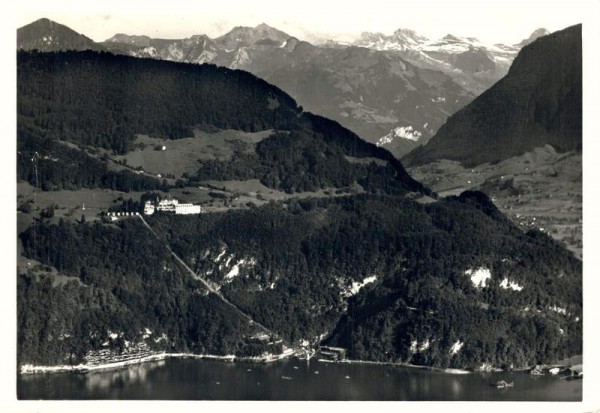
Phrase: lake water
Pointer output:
(189, 379)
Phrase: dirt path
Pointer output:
(208, 286)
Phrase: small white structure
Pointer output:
(187, 209)
(172, 205)
(148, 208)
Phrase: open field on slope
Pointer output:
(70, 204)
(214, 196)
(240, 194)
(539, 189)
(182, 155)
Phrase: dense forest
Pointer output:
(306, 253)
(372, 272)
(97, 100)
(303, 160)
(103, 100)
(292, 266)
(124, 282)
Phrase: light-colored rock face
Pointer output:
(506, 284)
(401, 132)
(456, 347)
(356, 286)
(479, 276)
(222, 267)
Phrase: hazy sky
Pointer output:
(506, 21)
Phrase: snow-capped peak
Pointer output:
(442, 53)
(370, 36)
(452, 38)
(409, 34)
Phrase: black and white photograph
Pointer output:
(301, 202)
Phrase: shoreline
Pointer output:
(407, 365)
(87, 368)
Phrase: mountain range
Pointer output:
(538, 102)
(520, 141)
(395, 91)
(471, 63)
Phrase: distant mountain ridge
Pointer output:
(375, 86)
(538, 102)
(246, 36)
(47, 36)
(473, 64)
(202, 96)
(370, 92)
(327, 81)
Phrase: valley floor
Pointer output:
(541, 189)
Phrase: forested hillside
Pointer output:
(125, 283)
(292, 267)
(365, 267)
(295, 268)
(100, 101)
(51, 165)
(103, 100)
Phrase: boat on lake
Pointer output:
(501, 384)
(537, 371)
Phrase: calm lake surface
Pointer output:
(189, 379)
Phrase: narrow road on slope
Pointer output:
(207, 284)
